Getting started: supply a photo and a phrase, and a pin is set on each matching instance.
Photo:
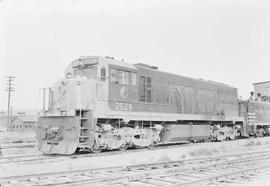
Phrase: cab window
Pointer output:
(122, 77)
(114, 76)
(133, 77)
(145, 89)
(89, 72)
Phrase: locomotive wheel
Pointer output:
(124, 147)
(207, 140)
(77, 150)
(95, 148)
(152, 146)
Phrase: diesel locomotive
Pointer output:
(103, 103)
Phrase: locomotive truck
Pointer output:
(103, 103)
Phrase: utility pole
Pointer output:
(10, 89)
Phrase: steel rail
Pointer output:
(21, 159)
(185, 172)
(148, 170)
(224, 175)
(127, 178)
(18, 146)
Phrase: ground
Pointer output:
(172, 153)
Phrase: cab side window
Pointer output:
(145, 89)
(114, 76)
(123, 77)
(133, 77)
(142, 89)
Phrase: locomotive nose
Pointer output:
(62, 138)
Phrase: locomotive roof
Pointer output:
(112, 61)
(154, 69)
(261, 82)
(108, 60)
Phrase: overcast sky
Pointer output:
(221, 40)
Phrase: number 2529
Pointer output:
(123, 106)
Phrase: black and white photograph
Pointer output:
(135, 92)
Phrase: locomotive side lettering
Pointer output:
(123, 106)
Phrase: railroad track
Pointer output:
(23, 145)
(186, 172)
(41, 157)
(212, 174)
(21, 159)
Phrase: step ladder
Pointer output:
(84, 128)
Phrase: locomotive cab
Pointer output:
(67, 122)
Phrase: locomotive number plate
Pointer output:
(123, 106)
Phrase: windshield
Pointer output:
(89, 71)
(85, 66)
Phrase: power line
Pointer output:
(10, 88)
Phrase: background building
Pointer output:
(21, 120)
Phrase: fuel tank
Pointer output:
(178, 133)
